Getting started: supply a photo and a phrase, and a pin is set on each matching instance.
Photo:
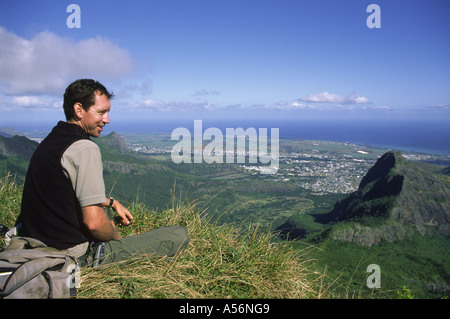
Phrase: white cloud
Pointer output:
(165, 106)
(440, 107)
(26, 100)
(326, 97)
(30, 102)
(358, 100)
(184, 106)
(47, 63)
(301, 106)
(206, 92)
(286, 106)
(383, 108)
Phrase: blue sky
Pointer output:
(229, 59)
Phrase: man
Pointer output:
(64, 203)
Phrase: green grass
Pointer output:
(10, 200)
(233, 261)
(417, 263)
(221, 261)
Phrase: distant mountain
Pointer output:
(395, 199)
(15, 154)
(19, 146)
(114, 141)
(9, 132)
(399, 193)
(398, 218)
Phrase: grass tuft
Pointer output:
(221, 261)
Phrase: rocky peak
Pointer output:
(381, 168)
(115, 141)
(401, 193)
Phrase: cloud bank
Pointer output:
(167, 106)
(206, 92)
(47, 63)
(326, 97)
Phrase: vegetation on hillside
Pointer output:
(228, 257)
(397, 219)
(220, 261)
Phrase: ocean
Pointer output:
(424, 136)
(430, 137)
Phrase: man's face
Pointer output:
(93, 120)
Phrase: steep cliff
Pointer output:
(113, 140)
(394, 199)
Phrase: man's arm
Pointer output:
(83, 166)
(98, 223)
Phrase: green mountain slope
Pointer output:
(393, 199)
(18, 146)
(15, 153)
(399, 219)
(131, 176)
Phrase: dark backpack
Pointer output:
(31, 269)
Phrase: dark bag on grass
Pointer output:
(31, 269)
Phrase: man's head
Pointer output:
(86, 103)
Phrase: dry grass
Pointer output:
(221, 261)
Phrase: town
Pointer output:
(321, 167)
(324, 171)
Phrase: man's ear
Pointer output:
(77, 110)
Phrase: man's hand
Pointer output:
(124, 214)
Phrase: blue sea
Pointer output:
(424, 136)
(431, 137)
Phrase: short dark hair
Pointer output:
(82, 91)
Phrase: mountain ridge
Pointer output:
(395, 199)
(115, 141)
(398, 219)
(19, 146)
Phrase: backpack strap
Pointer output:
(25, 243)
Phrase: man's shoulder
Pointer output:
(81, 146)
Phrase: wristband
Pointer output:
(111, 201)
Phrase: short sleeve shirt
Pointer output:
(82, 164)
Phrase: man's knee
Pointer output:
(182, 236)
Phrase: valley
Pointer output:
(312, 177)
(312, 174)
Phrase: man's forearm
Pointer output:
(98, 224)
(106, 233)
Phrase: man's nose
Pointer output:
(106, 118)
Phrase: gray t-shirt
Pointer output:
(82, 163)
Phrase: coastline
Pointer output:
(425, 136)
